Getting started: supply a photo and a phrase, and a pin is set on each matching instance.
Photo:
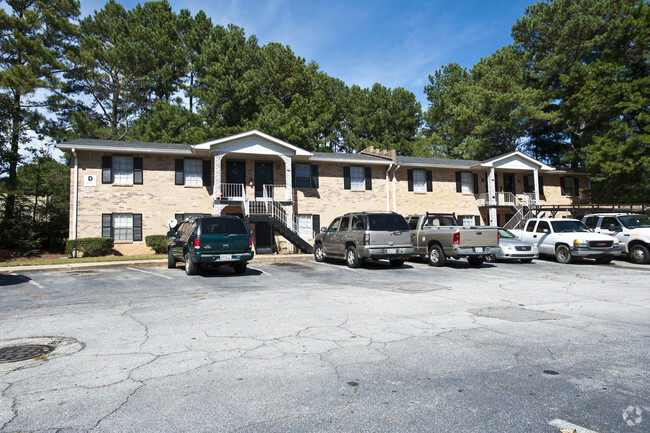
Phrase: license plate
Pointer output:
(225, 257)
(478, 249)
(391, 251)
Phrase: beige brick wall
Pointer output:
(158, 199)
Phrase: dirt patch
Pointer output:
(7, 256)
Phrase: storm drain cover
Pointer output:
(24, 352)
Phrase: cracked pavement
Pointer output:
(321, 347)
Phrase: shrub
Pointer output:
(89, 247)
(157, 242)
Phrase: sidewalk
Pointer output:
(264, 258)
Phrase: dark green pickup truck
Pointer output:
(214, 241)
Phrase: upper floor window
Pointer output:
(420, 180)
(529, 184)
(121, 169)
(193, 172)
(466, 183)
(357, 178)
(305, 176)
(569, 185)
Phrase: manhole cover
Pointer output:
(21, 353)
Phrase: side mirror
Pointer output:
(546, 231)
(614, 228)
(323, 229)
(171, 233)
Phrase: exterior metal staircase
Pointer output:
(267, 210)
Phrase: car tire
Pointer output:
(563, 254)
(351, 257)
(639, 254)
(190, 267)
(319, 254)
(603, 260)
(525, 260)
(171, 261)
(396, 263)
(475, 261)
(491, 258)
(436, 256)
(240, 267)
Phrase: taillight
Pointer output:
(197, 243)
(456, 239)
(498, 237)
(250, 242)
(366, 239)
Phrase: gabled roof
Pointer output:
(125, 146)
(249, 137)
(516, 155)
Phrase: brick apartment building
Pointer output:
(129, 190)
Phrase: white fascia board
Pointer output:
(514, 160)
(245, 138)
(112, 149)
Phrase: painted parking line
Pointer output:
(566, 425)
(259, 270)
(342, 266)
(150, 273)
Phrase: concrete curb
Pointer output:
(270, 258)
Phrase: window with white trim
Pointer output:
(193, 169)
(419, 181)
(357, 178)
(123, 169)
(123, 227)
(466, 182)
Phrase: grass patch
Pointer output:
(66, 261)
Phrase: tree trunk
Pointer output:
(12, 180)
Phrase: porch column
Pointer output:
(287, 177)
(216, 180)
(492, 197)
(218, 208)
(536, 180)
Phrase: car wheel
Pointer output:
(171, 261)
(475, 261)
(319, 255)
(190, 266)
(436, 256)
(240, 267)
(396, 263)
(351, 257)
(639, 254)
(602, 260)
(525, 260)
(563, 254)
(491, 258)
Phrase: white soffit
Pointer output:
(252, 142)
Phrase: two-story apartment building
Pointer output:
(128, 190)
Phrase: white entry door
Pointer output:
(305, 229)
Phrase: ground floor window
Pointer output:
(122, 226)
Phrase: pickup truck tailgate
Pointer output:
(476, 237)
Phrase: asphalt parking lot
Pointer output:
(311, 347)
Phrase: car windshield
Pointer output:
(635, 221)
(505, 234)
(387, 222)
(569, 226)
(223, 226)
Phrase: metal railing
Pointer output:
(232, 191)
(276, 192)
(518, 219)
(507, 199)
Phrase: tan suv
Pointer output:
(365, 235)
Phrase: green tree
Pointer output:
(381, 117)
(588, 60)
(34, 36)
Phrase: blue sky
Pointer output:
(391, 42)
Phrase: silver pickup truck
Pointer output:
(439, 236)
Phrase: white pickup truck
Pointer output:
(568, 238)
(631, 230)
